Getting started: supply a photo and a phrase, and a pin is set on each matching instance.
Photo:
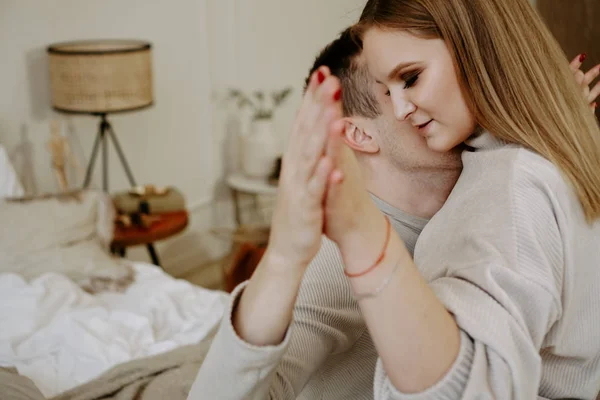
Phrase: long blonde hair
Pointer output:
(513, 75)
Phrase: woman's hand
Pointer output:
(298, 218)
(586, 79)
(353, 220)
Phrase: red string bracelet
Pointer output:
(379, 259)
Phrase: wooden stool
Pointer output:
(169, 224)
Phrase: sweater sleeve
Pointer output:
(504, 291)
(326, 320)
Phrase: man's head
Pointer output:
(371, 127)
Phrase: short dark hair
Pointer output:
(341, 57)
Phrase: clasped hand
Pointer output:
(320, 186)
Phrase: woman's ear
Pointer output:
(358, 134)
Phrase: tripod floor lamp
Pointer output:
(101, 77)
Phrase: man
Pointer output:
(327, 351)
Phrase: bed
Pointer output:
(71, 315)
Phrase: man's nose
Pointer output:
(403, 108)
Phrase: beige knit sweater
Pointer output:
(510, 255)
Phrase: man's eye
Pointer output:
(387, 93)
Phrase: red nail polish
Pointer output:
(320, 77)
(337, 95)
(582, 57)
(595, 105)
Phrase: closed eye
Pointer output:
(410, 79)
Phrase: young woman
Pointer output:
(501, 299)
(504, 301)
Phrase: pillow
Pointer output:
(9, 182)
(58, 233)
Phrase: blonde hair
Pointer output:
(513, 75)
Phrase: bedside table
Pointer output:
(240, 184)
(169, 224)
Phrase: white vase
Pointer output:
(259, 149)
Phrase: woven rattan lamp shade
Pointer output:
(100, 76)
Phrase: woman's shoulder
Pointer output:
(514, 165)
(531, 171)
(519, 178)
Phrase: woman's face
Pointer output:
(419, 77)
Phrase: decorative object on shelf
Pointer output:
(263, 105)
(149, 190)
(260, 146)
(100, 77)
(170, 199)
(260, 149)
(60, 152)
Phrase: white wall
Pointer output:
(161, 143)
(200, 49)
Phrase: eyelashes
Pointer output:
(409, 78)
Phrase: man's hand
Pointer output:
(585, 80)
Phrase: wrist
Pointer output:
(362, 246)
(278, 265)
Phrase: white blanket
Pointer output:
(60, 336)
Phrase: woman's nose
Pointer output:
(403, 108)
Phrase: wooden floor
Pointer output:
(209, 276)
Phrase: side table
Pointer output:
(241, 184)
(169, 224)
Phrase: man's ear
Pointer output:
(358, 135)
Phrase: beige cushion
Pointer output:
(68, 234)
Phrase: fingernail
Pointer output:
(337, 95)
(320, 77)
(595, 105)
(582, 57)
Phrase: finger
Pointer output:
(593, 106)
(577, 61)
(594, 93)
(325, 110)
(591, 75)
(579, 77)
(336, 177)
(316, 142)
(318, 182)
(303, 116)
(317, 78)
(336, 140)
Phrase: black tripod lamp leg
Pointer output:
(121, 156)
(153, 254)
(104, 161)
(90, 167)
